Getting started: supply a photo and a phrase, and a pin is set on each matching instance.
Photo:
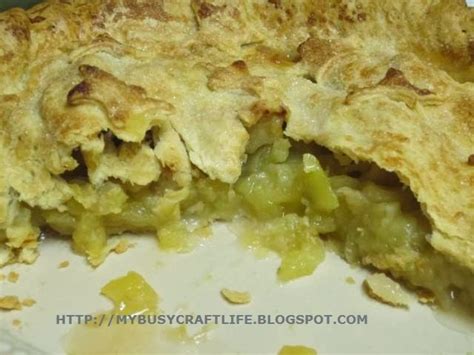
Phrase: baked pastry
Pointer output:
(345, 121)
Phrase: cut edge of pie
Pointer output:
(147, 116)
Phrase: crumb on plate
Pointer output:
(122, 246)
(63, 264)
(382, 288)
(13, 276)
(16, 323)
(236, 297)
(28, 302)
(350, 280)
(10, 303)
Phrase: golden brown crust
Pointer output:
(383, 81)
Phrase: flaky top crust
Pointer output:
(382, 81)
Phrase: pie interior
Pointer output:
(307, 125)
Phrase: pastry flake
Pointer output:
(384, 289)
(236, 297)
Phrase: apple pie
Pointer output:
(309, 125)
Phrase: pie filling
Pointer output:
(292, 198)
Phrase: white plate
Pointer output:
(190, 284)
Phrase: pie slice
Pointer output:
(308, 124)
